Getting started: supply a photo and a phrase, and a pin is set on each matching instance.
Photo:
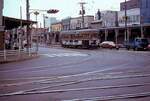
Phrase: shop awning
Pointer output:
(11, 23)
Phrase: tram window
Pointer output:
(76, 41)
(94, 41)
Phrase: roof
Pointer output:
(122, 27)
(81, 17)
(96, 22)
(78, 31)
(56, 23)
(11, 23)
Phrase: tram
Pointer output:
(85, 38)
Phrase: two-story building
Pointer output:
(55, 32)
(132, 8)
(76, 23)
(137, 12)
(133, 17)
(66, 23)
(106, 18)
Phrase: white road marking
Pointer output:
(75, 54)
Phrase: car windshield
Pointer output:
(144, 40)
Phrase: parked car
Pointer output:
(136, 44)
(149, 47)
(109, 44)
(25, 43)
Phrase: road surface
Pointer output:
(78, 75)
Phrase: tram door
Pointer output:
(85, 43)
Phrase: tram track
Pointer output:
(72, 90)
(40, 90)
(62, 76)
(88, 80)
(74, 83)
(92, 74)
(115, 97)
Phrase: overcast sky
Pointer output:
(67, 7)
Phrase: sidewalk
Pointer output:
(16, 57)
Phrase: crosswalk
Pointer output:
(66, 55)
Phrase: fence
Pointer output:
(14, 55)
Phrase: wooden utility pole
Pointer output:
(28, 28)
(82, 12)
(126, 18)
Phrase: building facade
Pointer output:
(131, 4)
(138, 11)
(105, 19)
(39, 34)
(145, 11)
(49, 21)
(76, 23)
(55, 33)
(96, 24)
(56, 27)
(108, 18)
(133, 17)
(66, 24)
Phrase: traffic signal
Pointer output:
(53, 11)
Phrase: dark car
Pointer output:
(137, 44)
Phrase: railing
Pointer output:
(6, 55)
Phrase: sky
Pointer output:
(67, 8)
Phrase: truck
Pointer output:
(137, 44)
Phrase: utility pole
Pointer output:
(82, 12)
(28, 28)
(126, 34)
(44, 21)
(37, 41)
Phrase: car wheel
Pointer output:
(136, 49)
(128, 48)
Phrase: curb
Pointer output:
(19, 60)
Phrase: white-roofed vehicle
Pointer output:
(85, 38)
(109, 44)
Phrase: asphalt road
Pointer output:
(78, 75)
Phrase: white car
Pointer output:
(108, 44)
